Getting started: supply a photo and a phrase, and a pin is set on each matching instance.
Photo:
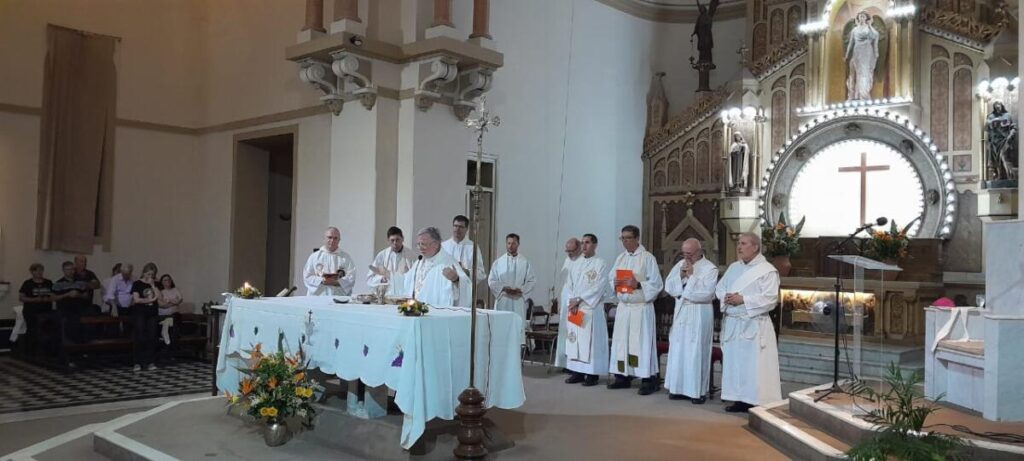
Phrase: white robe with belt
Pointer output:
(463, 253)
(513, 272)
(323, 262)
(688, 369)
(633, 351)
(396, 264)
(750, 355)
(563, 305)
(586, 346)
(426, 282)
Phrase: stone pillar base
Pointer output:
(308, 35)
(484, 42)
(997, 204)
(739, 214)
(348, 25)
(442, 31)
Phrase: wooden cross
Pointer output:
(863, 169)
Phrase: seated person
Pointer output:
(115, 273)
(36, 297)
(72, 301)
(170, 308)
(145, 305)
(119, 291)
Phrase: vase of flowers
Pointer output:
(275, 387)
(889, 246)
(781, 241)
(413, 308)
(247, 291)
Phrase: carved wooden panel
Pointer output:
(673, 173)
(778, 24)
(778, 121)
(757, 10)
(798, 71)
(960, 59)
(940, 104)
(939, 52)
(797, 98)
(717, 152)
(670, 232)
(689, 168)
(760, 48)
(793, 20)
(703, 170)
(963, 86)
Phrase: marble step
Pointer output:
(794, 436)
(871, 352)
(818, 363)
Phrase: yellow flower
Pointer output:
(304, 392)
(269, 412)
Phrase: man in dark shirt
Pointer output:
(35, 295)
(86, 276)
(72, 303)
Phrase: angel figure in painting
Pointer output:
(861, 58)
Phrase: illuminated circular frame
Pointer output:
(894, 130)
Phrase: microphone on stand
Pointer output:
(878, 222)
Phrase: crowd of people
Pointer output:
(150, 301)
(439, 274)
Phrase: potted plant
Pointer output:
(781, 241)
(276, 386)
(889, 246)
(413, 308)
(899, 421)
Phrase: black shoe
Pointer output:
(739, 407)
(574, 378)
(699, 401)
(590, 380)
(648, 386)
(621, 382)
(677, 397)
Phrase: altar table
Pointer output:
(425, 360)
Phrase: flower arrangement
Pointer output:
(276, 386)
(413, 308)
(781, 239)
(247, 291)
(889, 245)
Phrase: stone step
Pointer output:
(794, 436)
(872, 352)
(867, 367)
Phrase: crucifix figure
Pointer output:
(863, 169)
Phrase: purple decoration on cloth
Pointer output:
(255, 330)
(231, 331)
(336, 342)
(397, 362)
(366, 350)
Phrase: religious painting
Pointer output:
(858, 51)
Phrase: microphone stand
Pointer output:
(840, 250)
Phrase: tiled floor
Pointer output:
(25, 387)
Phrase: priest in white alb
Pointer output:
(636, 279)
(511, 281)
(329, 271)
(462, 248)
(572, 254)
(749, 290)
(436, 278)
(586, 346)
(692, 283)
(391, 264)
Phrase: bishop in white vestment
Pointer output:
(692, 283)
(572, 255)
(586, 346)
(511, 281)
(633, 351)
(462, 248)
(436, 278)
(391, 264)
(329, 271)
(749, 290)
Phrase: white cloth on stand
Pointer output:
(688, 371)
(323, 262)
(586, 345)
(633, 351)
(750, 353)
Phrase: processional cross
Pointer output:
(863, 169)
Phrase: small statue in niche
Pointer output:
(1002, 143)
(862, 39)
(737, 163)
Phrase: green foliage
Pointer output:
(891, 244)
(899, 419)
(276, 386)
(781, 239)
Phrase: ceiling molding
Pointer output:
(674, 11)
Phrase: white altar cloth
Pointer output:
(424, 359)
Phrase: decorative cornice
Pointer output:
(966, 27)
(659, 11)
(779, 57)
(681, 124)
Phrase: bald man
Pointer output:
(749, 290)
(329, 271)
(572, 256)
(692, 283)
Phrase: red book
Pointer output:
(577, 318)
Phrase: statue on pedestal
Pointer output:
(705, 43)
(1002, 143)
(737, 164)
(862, 41)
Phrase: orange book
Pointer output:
(621, 277)
(577, 318)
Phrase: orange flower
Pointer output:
(246, 386)
(272, 383)
(299, 376)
